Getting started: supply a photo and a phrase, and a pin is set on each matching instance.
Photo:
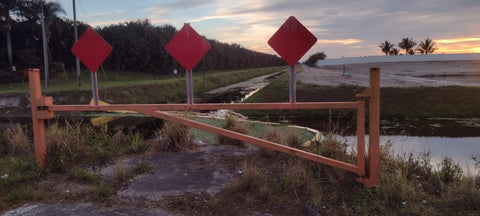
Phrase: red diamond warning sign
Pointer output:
(91, 49)
(187, 47)
(292, 40)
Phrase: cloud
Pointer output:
(338, 41)
(109, 22)
(344, 28)
(456, 40)
(117, 21)
(351, 26)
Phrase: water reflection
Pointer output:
(460, 149)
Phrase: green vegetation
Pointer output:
(71, 149)
(173, 137)
(283, 185)
(128, 88)
(270, 182)
(230, 123)
(126, 80)
(401, 103)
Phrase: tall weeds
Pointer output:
(72, 144)
(173, 137)
(15, 140)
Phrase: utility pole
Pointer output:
(75, 35)
(45, 53)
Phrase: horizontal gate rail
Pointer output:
(212, 106)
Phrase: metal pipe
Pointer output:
(94, 88)
(211, 106)
(75, 37)
(189, 87)
(293, 86)
(45, 52)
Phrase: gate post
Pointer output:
(39, 114)
(373, 128)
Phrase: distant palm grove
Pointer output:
(137, 45)
(426, 47)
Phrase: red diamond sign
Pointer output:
(187, 47)
(91, 49)
(292, 40)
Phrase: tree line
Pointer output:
(137, 45)
(426, 47)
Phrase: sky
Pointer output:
(344, 28)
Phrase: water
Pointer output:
(460, 149)
(238, 91)
(458, 139)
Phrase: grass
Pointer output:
(230, 123)
(127, 88)
(112, 79)
(255, 129)
(71, 149)
(173, 137)
(271, 183)
(283, 185)
(400, 103)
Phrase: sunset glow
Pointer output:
(457, 40)
(351, 28)
(458, 45)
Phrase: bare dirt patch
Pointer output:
(205, 170)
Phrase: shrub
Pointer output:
(231, 123)
(173, 137)
(450, 171)
(292, 139)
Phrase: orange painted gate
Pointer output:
(43, 108)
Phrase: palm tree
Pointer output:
(394, 51)
(51, 11)
(14, 8)
(426, 46)
(386, 47)
(407, 44)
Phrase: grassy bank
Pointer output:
(109, 79)
(127, 87)
(401, 103)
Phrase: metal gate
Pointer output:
(43, 108)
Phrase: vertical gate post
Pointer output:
(373, 128)
(37, 102)
(38, 124)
